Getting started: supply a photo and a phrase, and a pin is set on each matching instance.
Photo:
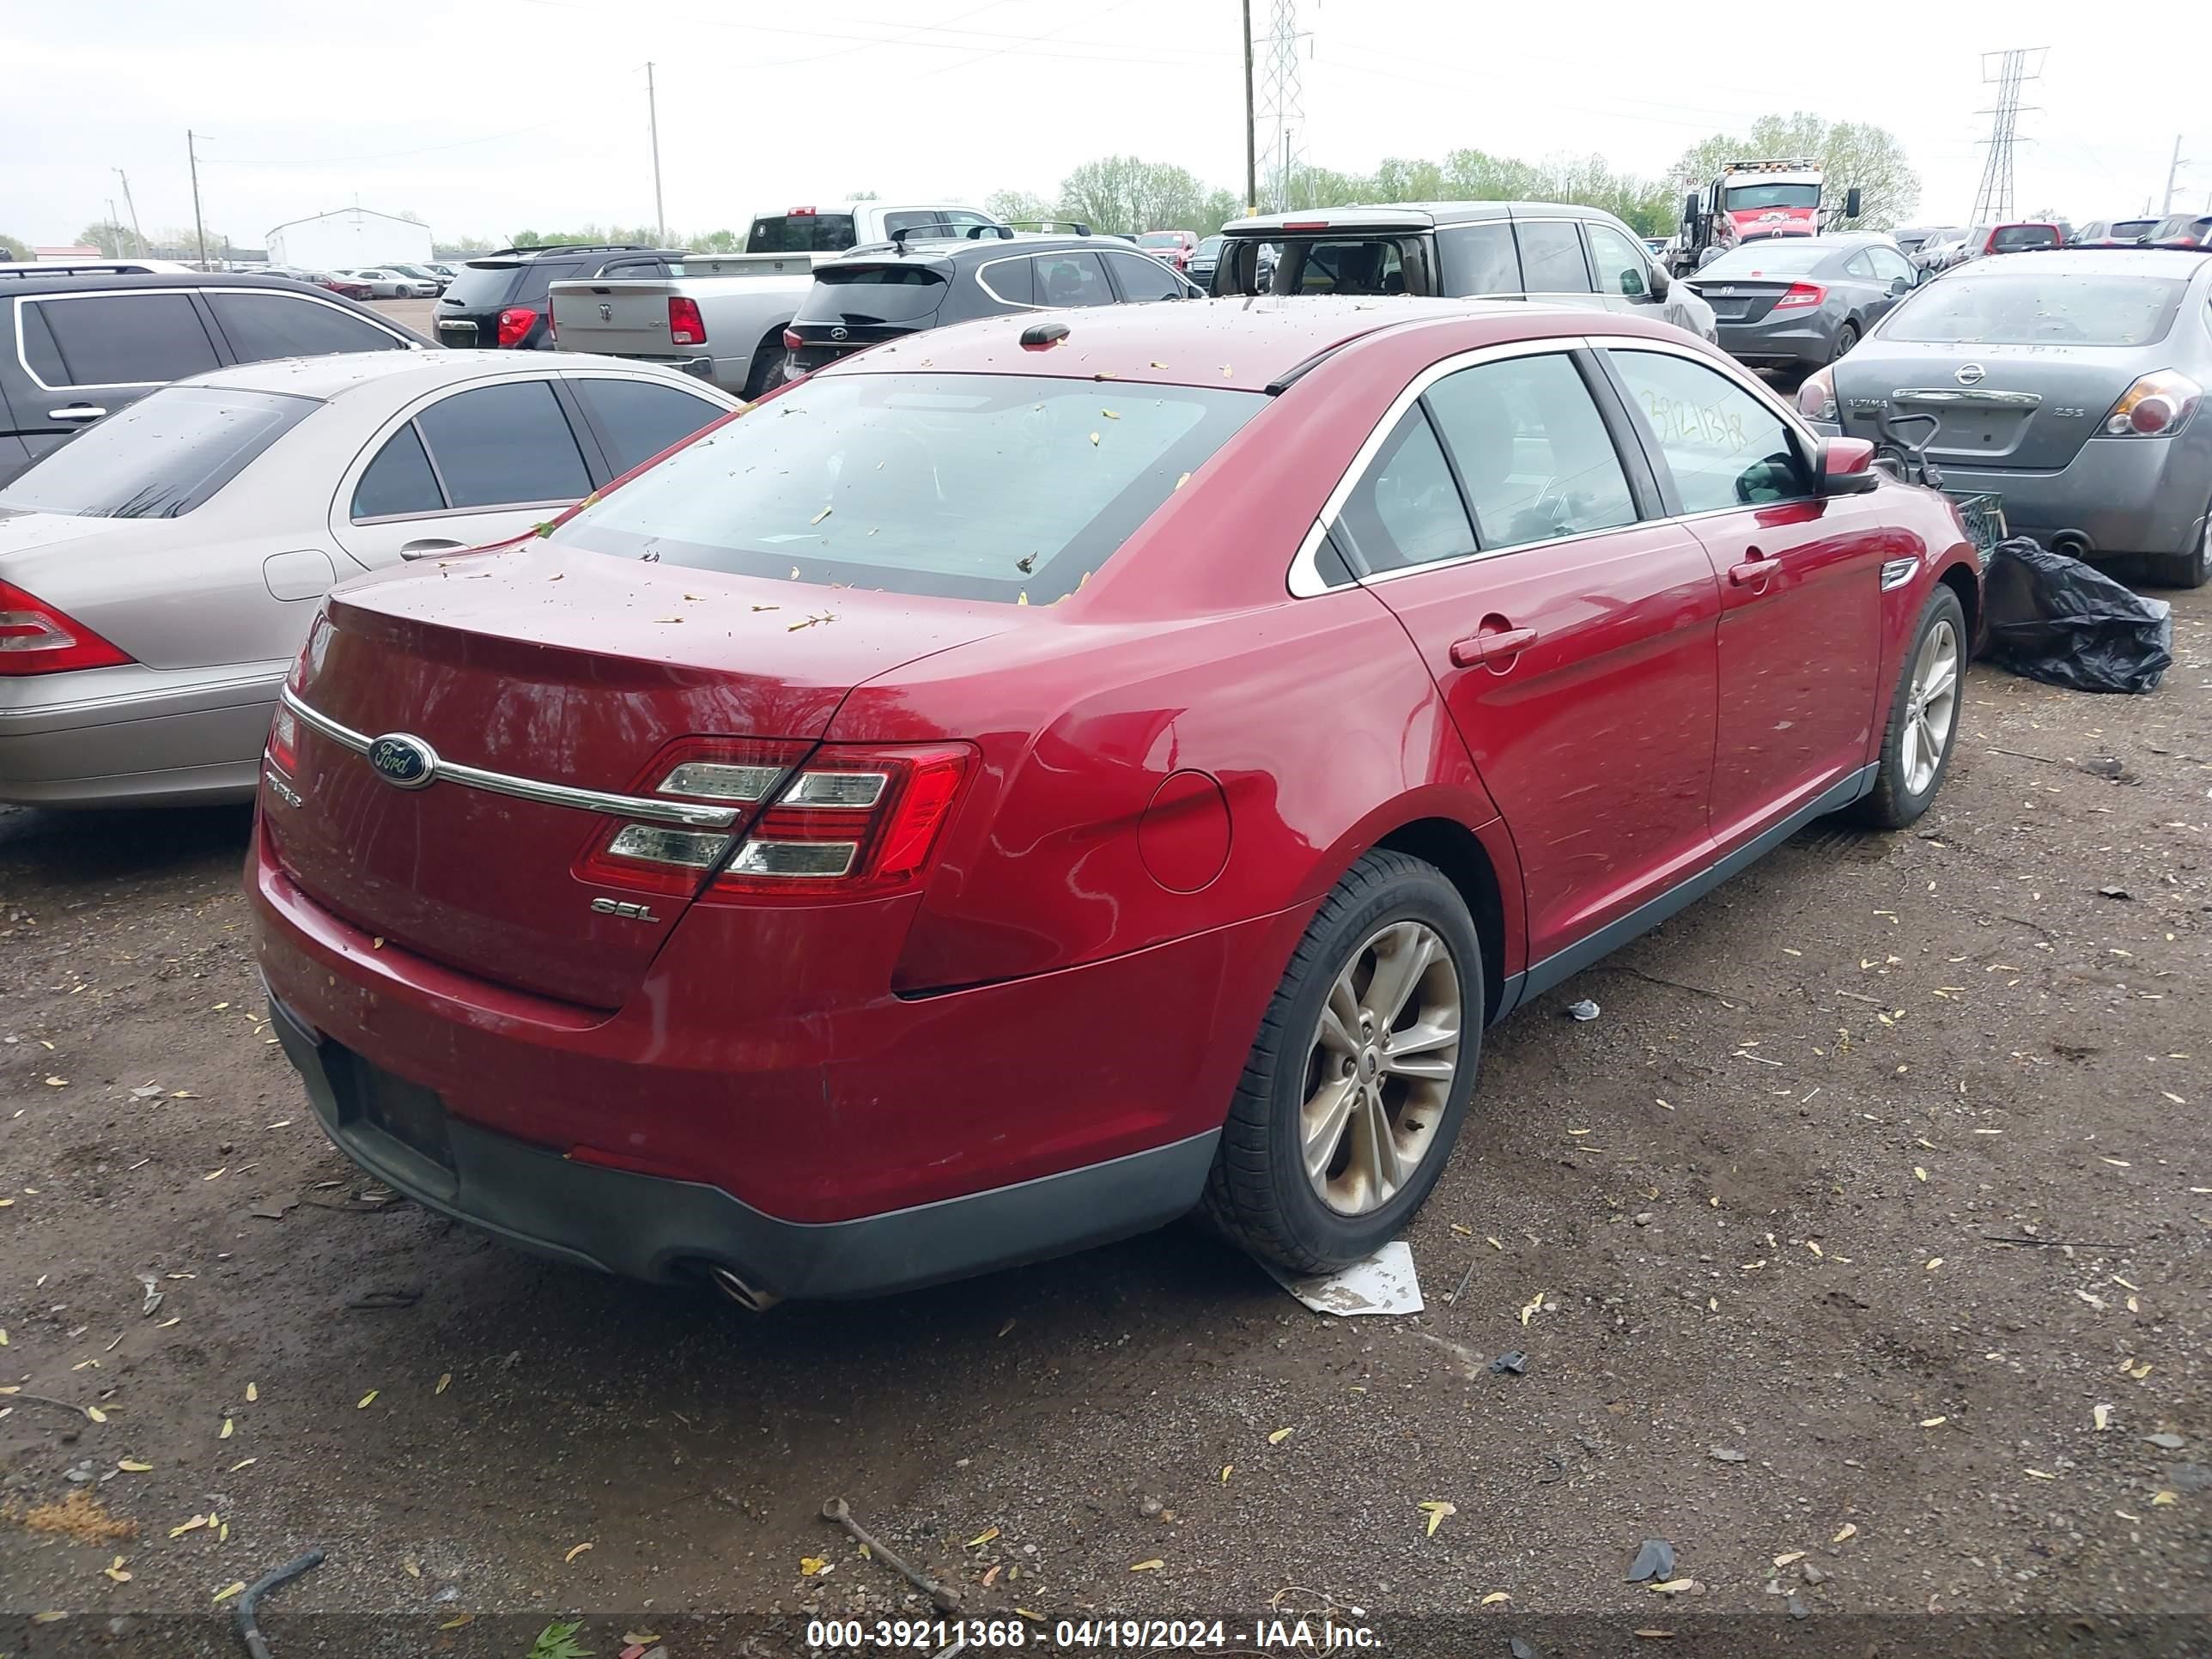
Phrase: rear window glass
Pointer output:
(481, 287)
(801, 233)
(2013, 238)
(880, 294)
(1364, 265)
(2045, 307)
(1773, 258)
(1479, 259)
(1159, 239)
(161, 457)
(986, 487)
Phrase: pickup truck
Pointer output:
(722, 316)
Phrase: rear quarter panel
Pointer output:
(1313, 719)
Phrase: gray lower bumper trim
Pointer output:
(651, 1227)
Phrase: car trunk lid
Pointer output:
(547, 667)
(1747, 300)
(2024, 408)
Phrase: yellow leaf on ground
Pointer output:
(811, 1565)
(229, 1590)
(981, 1538)
(2164, 1497)
(1278, 1436)
(229, 1427)
(2101, 1416)
(458, 1620)
(95, 1414)
(1850, 1531)
(1494, 1598)
(1152, 1566)
(1436, 1509)
(1225, 1468)
(1933, 1422)
(1785, 1560)
(252, 1391)
(366, 1399)
(132, 1466)
(444, 1381)
(576, 1552)
(2041, 1475)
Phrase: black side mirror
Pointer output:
(1853, 200)
(1690, 208)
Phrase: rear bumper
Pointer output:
(2119, 496)
(134, 736)
(1787, 340)
(652, 1227)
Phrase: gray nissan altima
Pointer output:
(2069, 383)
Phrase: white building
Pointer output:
(352, 239)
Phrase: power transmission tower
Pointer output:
(2009, 71)
(1282, 112)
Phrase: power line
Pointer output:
(1993, 202)
(387, 154)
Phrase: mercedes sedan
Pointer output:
(2068, 383)
(736, 882)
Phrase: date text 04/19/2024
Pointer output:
(1220, 1637)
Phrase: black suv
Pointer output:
(499, 299)
(889, 289)
(81, 346)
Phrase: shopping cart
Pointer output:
(1906, 459)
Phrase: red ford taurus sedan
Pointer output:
(1022, 786)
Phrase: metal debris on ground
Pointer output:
(1584, 1010)
(838, 1513)
(1384, 1283)
(1511, 1363)
(249, 1601)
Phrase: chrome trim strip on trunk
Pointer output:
(647, 808)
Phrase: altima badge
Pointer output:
(403, 761)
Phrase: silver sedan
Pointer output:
(158, 573)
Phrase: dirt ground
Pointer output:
(1858, 1249)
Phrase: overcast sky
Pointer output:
(485, 117)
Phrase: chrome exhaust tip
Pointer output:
(745, 1296)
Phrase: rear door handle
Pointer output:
(77, 413)
(423, 550)
(1489, 647)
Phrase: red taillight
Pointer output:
(284, 740)
(799, 213)
(37, 639)
(791, 340)
(685, 326)
(1305, 224)
(1801, 294)
(852, 822)
(515, 325)
(2156, 406)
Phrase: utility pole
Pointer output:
(112, 227)
(1251, 124)
(652, 126)
(131, 208)
(2172, 174)
(200, 225)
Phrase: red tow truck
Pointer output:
(1749, 201)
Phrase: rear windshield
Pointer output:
(2136, 229)
(874, 293)
(158, 458)
(801, 233)
(1160, 239)
(481, 286)
(2043, 308)
(973, 486)
(2013, 238)
(1776, 258)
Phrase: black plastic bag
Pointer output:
(2056, 619)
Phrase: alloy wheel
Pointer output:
(1380, 1066)
(1931, 707)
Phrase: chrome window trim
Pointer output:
(1304, 578)
(23, 300)
(550, 794)
(983, 282)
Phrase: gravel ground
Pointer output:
(1858, 1249)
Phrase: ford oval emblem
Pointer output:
(403, 761)
(1970, 374)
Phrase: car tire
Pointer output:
(1846, 337)
(2184, 569)
(1394, 1135)
(1905, 781)
(766, 372)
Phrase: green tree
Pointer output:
(1851, 154)
(1016, 206)
(13, 249)
(113, 240)
(1126, 194)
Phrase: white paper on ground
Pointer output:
(1385, 1283)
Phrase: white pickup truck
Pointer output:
(721, 316)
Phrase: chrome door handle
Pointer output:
(1491, 648)
(423, 550)
(77, 413)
